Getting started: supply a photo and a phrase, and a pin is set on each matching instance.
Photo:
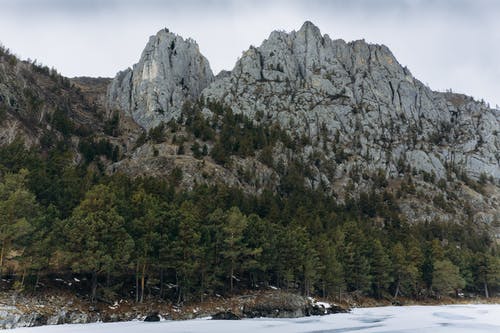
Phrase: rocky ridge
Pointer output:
(356, 95)
(350, 95)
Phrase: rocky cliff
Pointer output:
(171, 71)
(356, 95)
(351, 95)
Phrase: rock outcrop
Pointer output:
(287, 305)
(171, 70)
(225, 315)
(38, 313)
(357, 97)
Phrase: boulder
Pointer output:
(152, 317)
(225, 315)
(277, 305)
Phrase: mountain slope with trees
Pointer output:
(238, 191)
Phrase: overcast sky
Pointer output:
(446, 44)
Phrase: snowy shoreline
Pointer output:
(414, 318)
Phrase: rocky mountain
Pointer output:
(358, 96)
(171, 71)
(327, 90)
(355, 111)
(344, 117)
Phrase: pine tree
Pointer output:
(97, 240)
(288, 263)
(259, 236)
(145, 232)
(331, 273)
(354, 258)
(309, 264)
(41, 245)
(433, 252)
(446, 277)
(234, 248)
(18, 208)
(211, 269)
(416, 259)
(186, 250)
(380, 269)
(404, 269)
(398, 265)
(488, 271)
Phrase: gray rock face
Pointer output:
(171, 71)
(358, 97)
(14, 317)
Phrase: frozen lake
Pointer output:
(434, 319)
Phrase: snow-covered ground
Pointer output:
(433, 319)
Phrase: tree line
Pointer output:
(146, 238)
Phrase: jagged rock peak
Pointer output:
(309, 28)
(171, 71)
(300, 55)
(360, 97)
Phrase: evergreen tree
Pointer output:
(259, 236)
(234, 250)
(332, 272)
(356, 268)
(488, 271)
(309, 264)
(354, 259)
(97, 240)
(295, 237)
(446, 277)
(433, 252)
(186, 250)
(18, 208)
(146, 236)
(416, 261)
(380, 269)
(211, 239)
(399, 264)
(404, 270)
(288, 265)
(41, 245)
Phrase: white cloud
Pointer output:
(447, 44)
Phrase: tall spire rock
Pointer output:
(171, 71)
